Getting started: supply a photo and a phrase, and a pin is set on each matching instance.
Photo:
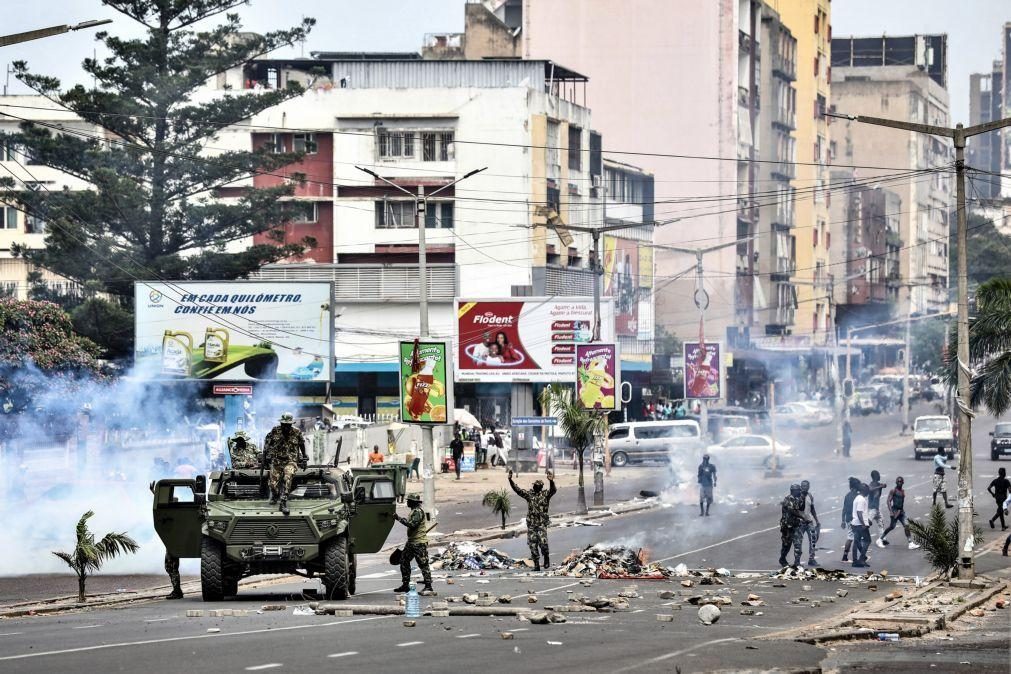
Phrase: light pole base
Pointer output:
(977, 583)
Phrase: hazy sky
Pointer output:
(373, 25)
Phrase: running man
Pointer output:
(707, 480)
(939, 486)
(812, 527)
(897, 509)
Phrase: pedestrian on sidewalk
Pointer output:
(812, 527)
(707, 481)
(939, 486)
(456, 449)
(847, 516)
(876, 486)
(847, 437)
(999, 489)
(791, 524)
(860, 524)
(537, 517)
(897, 509)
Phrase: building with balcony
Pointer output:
(902, 78)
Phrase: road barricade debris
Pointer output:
(612, 562)
(472, 556)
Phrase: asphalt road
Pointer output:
(741, 534)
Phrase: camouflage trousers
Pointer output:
(813, 531)
(537, 541)
(791, 536)
(418, 552)
(279, 471)
(172, 569)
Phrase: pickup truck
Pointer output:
(931, 432)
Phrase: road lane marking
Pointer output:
(269, 665)
(410, 643)
(342, 655)
(467, 636)
(86, 627)
(674, 654)
(10, 634)
(522, 629)
(560, 587)
(167, 640)
(157, 620)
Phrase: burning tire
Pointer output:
(212, 570)
(335, 570)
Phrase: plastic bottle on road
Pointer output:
(888, 636)
(413, 608)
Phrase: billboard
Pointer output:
(425, 385)
(622, 282)
(703, 372)
(525, 339)
(234, 330)
(598, 376)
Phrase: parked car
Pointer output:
(865, 400)
(820, 412)
(723, 426)
(758, 447)
(931, 432)
(1000, 441)
(652, 440)
(793, 415)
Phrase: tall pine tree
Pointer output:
(151, 212)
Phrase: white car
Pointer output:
(931, 432)
(755, 446)
(795, 415)
(820, 413)
(349, 421)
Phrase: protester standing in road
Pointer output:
(876, 486)
(791, 524)
(897, 509)
(416, 547)
(999, 489)
(812, 527)
(847, 437)
(456, 450)
(707, 481)
(847, 516)
(860, 525)
(283, 449)
(537, 517)
(939, 486)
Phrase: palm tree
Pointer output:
(88, 556)
(939, 540)
(499, 503)
(578, 423)
(989, 348)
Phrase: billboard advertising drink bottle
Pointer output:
(422, 389)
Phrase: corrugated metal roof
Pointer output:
(438, 74)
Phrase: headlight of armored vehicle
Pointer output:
(326, 524)
(218, 525)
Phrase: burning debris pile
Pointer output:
(605, 561)
(472, 557)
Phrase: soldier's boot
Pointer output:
(547, 559)
(284, 503)
(537, 561)
(176, 593)
(429, 590)
(405, 586)
(273, 497)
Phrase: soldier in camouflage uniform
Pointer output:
(283, 449)
(243, 451)
(537, 517)
(172, 569)
(416, 547)
(791, 525)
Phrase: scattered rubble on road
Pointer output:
(472, 556)
(709, 614)
(611, 562)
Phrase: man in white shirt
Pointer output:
(861, 526)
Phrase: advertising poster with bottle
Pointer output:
(528, 339)
(426, 395)
(234, 330)
(703, 371)
(598, 376)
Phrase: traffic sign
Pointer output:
(534, 421)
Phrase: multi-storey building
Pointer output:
(810, 23)
(991, 152)
(28, 230)
(902, 78)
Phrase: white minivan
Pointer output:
(652, 440)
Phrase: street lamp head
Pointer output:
(474, 172)
(365, 170)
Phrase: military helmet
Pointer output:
(241, 434)
(414, 497)
(539, 484)
(287, 418)
(794, 488)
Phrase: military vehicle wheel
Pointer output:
(335, 569)
(212, 570)
(352, 585)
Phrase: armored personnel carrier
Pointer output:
(229, 523)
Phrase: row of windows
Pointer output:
(416, 145)
(390, 214)
(9, 220)
(300, 142)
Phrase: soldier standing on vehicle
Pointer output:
(707, 481)
(283, 449)
(791, 525)
(939, 485)
(812, 527)
(537, 517)
(243, 451)
(416, 547)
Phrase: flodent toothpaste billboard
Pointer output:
(235, 330)
(527, 339)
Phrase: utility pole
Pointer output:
(7, 40)
(958, 135)
(420, 208)
(908, 359)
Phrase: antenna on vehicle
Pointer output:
(337, 454)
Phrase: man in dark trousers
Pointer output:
(707, 480)
(416, 547)
(860, 524)
(812, 526)
(897, 510)
(456, 449)
(999, 489)
(537, 517)
(847, 516)
(791, 526)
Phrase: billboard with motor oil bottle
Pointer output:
(234, 330)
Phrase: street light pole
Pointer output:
(421, 207)
(6, 40)
(958, 135)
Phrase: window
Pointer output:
(396, 144)
(575, 147)
(395, 214)
(276, 143)
(554, 155)
(34, 224)
(438, 215)
(817, 65)
(11, 219)
(815, 232)
(621, 433)
(305, 142)
(817, 22)
(555, 199)
(301, 211)
(596, 157)
(9, 151)
(437, 146)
